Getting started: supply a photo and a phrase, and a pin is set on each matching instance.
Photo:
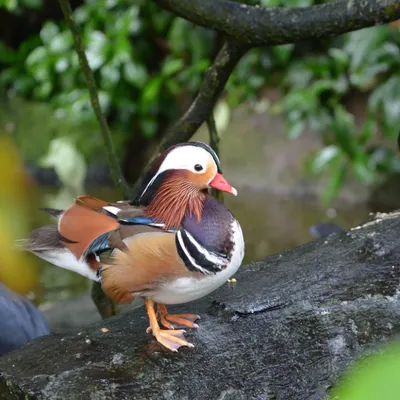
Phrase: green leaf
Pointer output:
(364, 78)
(151, 92)
(104, 100)
(222, 115)
(295, 128)
(255, 81)
(67, 161)
(391, 109)
(320, 120)
(177, 35)
(344, 130)
(36, 56)
(40, 72)
(172, 66)
(360, 44)
(322, 85)
(135, 73)
(81, 15)
(363, 172)
(61, 42)
(98, 45)
(161, 21)
(340, 59)
(149, 127)
(338, 174)
(129, 22)
(283, 52)
(7, 55)
(173, 86)
(374, 377)
(33, 3)
(62, 64)
(324, 158)
(298, 75)
(299, 100)
(386, 98)
(367, 130)
(122, 49)
(10, 5)
(48, 32)
(110, 76)
(23, 84)
(43, 90)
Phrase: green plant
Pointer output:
(144, 59)
(141, 57)
(316, 84)
(375, 377)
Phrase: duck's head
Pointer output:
(179, 181)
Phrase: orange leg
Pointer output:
(171, 339)
(172, 321)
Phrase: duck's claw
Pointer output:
(171, 339)
(173, 321)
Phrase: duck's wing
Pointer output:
(149, 261)
(85, 230)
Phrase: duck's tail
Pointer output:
(72, 243)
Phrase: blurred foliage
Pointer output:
(144, 59)
(17, 269)
(16, 6)
(375, 377)
(140, 55)
(317, 82)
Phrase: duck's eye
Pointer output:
(198, 167)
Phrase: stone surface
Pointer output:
(286, 330)
(76, 312)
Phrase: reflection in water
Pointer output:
(270, 224)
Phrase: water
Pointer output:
(270, 224)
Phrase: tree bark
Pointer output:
(258, 26)
(287, 329)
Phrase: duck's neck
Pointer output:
(214, 229)
(170, 207)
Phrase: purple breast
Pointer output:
(214, 231)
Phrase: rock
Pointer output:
(20, 320)
(76, 312)
(287, 329)
(73, 313)
(323, 229)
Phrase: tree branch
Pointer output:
(214, 143)
(280, 25)
(104, 305)
(213, 84)
(112, 158)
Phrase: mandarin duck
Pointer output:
(174, 243)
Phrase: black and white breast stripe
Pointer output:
(196, 257)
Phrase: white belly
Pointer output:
(184, 290)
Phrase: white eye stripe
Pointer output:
(185, 157)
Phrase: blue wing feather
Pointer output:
(100, 243)
(141, 220)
